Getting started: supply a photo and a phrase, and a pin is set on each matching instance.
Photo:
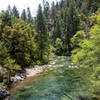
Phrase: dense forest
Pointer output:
(65, 28)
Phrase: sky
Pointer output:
(23, 4)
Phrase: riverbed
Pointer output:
(60, 81)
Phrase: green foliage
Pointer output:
(5, 60)
(10, 64)
(39, 62)
(5, 19)
(20, 41)
(3, 53)
(58, 46)
(87, 51)
(98, 19)
(78, 38)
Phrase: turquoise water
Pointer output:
(58, 82)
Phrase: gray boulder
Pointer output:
(4, 93)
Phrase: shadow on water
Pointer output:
(58, 82)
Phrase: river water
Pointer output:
(58, 82)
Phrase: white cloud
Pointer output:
(21, 4)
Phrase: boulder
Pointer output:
(4, 93)
(18, 77)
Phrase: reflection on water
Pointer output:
(58, 82)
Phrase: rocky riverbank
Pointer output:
(28, 72)
(20, 76)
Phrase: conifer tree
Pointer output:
(61, 3)
(29, 16)
(42, 37)
(46, 9)
(15, 12)
(9, 9)
(71, 25)
(57, 31)
(53, 10)
(23, 15)
(5, 19)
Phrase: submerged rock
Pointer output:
(84, 98)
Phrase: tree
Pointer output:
(42, 37)
(87, 49)
(29, 16)
(46, 9)
(19, 39)
(78, 38)
(61, 3)
(23, 15)
(9, 9)
(58, 46)
(53, 11)
(57, 31)
(6, 20)
(87, 52)
(15, 12)
(71, 26)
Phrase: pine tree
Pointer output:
(15, 12)
(9, 9)
(23, 15)
(53, 11)
(42, 37)
(61, 3)
(71, 24)
(46, 9)
(57, 32)
(29, 16)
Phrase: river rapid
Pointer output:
(61, 81)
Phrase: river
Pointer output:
(58, 82)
